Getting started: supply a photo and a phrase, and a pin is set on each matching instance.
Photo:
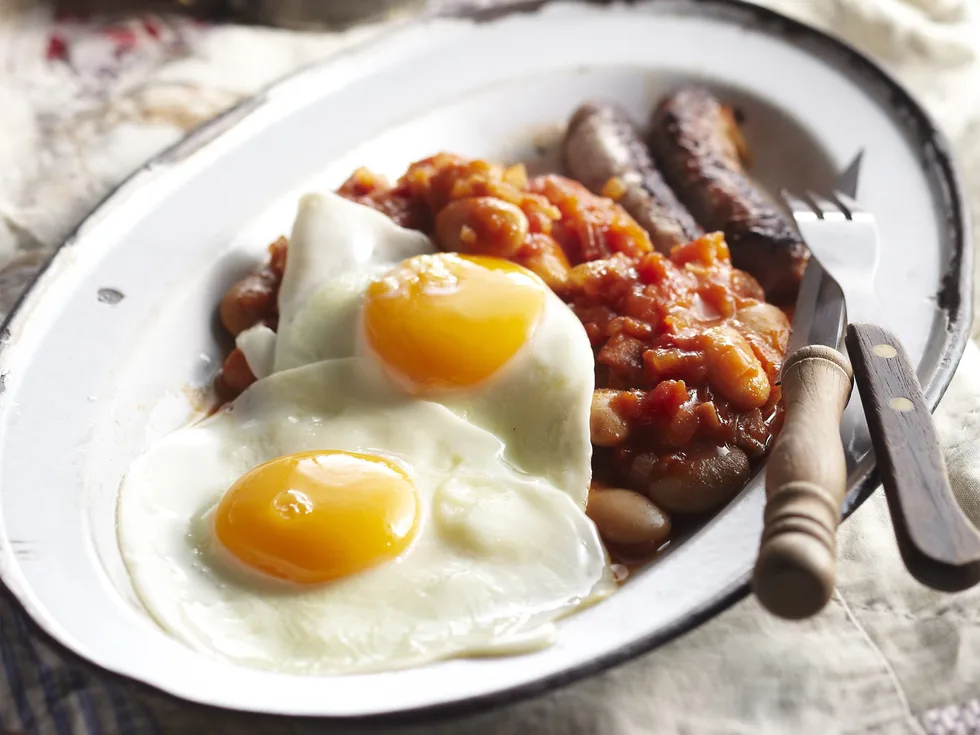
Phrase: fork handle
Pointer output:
(805, 479)
(939, 545)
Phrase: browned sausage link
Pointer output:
(600, 145)
(626, 518)
(607, 427)
(692, 482)
(696, 144)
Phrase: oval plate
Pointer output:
(108, 351)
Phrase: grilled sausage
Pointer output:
(603, 151)
(699, 148)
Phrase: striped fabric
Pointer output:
(42, 694)
(955, 720)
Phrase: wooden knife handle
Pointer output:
(939, 545)
(805, 480)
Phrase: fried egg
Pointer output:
(482, 336)
(329, 522)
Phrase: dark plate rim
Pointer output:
(954, 298)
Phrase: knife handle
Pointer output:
(939, 545)
(805, 480)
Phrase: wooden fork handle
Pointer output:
(939, 545)
(805, 480)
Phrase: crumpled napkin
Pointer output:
(82, 105)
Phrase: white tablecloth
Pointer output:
(83, 104)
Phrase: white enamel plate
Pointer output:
(106, 352)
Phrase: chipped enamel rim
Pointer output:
(258, 691)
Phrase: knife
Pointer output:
(806, 473)
(938, 543)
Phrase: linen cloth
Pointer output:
(82, 104)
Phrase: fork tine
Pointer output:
(797, 205)
(847, 180)
(847, 203)
(826, 208)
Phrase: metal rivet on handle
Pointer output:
(901, 404)
(885, 350)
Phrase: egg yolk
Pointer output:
(316, 516)
(447, 321)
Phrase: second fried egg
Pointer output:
(326, 522)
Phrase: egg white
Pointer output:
(538, 405)
(497, 557)
(336, 248)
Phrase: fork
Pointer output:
(938, 543)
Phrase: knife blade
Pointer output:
(820, 314)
